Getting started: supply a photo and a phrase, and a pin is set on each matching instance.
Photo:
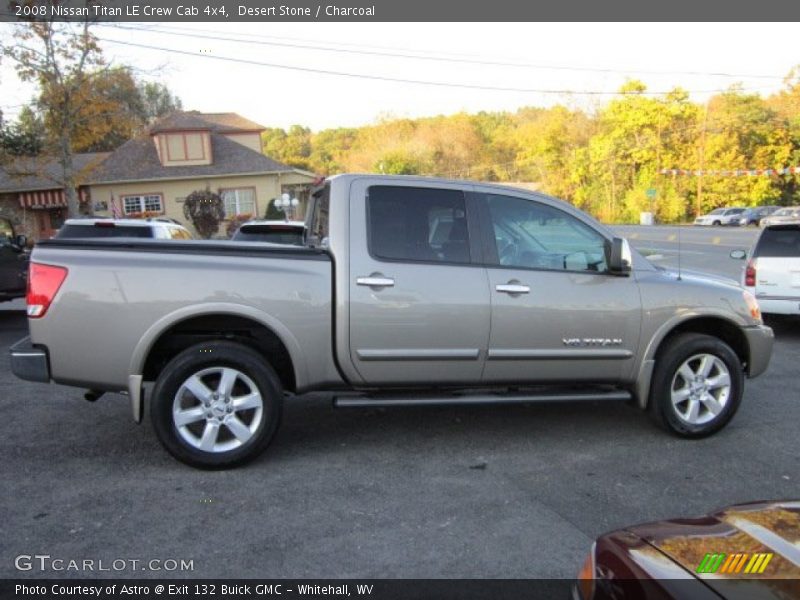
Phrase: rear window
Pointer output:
(271, 235)
(779, 242)
(93, 231)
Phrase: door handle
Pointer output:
(375, 281)
(512, 288)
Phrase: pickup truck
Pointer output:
(13, 262)
(407, 292)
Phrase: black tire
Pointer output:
(209, 356)
(716, 224)
(677, 351)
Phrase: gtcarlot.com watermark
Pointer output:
(44, 563)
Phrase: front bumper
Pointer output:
(759, 340)
(29, 362)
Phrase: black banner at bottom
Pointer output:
(392, 589)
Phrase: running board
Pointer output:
(385, 400)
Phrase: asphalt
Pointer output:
(479, 492)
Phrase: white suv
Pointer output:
(772, 272)
(136, 228)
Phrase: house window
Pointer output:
(185, 146)
(239, 202)
(140, 204)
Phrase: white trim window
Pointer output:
(139, 204)
(239, 202)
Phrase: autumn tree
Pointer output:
(62, 58)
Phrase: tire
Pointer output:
(688, 396)
(716, 224)
(228, 401)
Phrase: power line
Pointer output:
(372, 77)
(403, 53)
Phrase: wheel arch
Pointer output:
(719, 326)
(186, 326)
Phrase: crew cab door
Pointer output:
(419, 302)
(558, 315)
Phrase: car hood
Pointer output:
(771, 528)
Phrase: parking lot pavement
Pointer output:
(516, 491)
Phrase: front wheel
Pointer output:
(697, 385)
(216, 405)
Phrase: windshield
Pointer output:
(93, 231)
(273, 235)
(783, 212)
(717, 211)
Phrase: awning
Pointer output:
(48, 198)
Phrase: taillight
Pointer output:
(586, 576)
(44, 282)
(750, 273)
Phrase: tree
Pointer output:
(25, 137)
(205, 210)
(156, 100)
(62, 58)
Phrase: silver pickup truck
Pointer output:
(408, 291)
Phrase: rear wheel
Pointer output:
(697, 385)
(216, 405)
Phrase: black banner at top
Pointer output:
(399, 11)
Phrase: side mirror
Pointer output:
(21, 241)
(620, 260)
(738, 254)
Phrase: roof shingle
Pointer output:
(138, 160)
(44, 173)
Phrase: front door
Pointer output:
(558, 315)
(419, 302)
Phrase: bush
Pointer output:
(235, 222)
(205, 210)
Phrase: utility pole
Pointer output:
(701, 164)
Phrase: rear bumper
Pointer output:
(759, 340)
(29, 362)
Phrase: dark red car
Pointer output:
(744, 551)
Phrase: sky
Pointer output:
(583, 62)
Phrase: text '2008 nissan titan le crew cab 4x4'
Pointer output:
(408, 291)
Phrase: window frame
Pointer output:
(490, 244)
(473, 228)
(252, 188)
(142, 208)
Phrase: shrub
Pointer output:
(205, 210)
(235, 222)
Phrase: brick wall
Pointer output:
(24, 221)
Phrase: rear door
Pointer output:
(557, 314)
(777, 257)
(419, 300)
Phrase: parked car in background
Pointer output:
(743, 551)
(753, 216)
(789, 214)
(13, 262)
(275, 232)
(721, 216)
(116, 228)
(772, 272)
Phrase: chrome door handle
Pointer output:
(513, 288)
(375, 281)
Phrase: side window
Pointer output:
(317, 224)
(418, 224)
(531, 235)
(6, 232)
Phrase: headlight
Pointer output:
(752, 305)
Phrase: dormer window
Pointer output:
(185, 146)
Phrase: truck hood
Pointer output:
(744, 530)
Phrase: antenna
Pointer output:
(679, 251)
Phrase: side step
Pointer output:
(384, 400)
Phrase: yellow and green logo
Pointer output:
(733, 564)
